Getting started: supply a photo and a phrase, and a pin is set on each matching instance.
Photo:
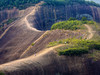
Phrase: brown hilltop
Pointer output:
(19, 57)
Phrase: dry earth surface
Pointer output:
(17, 37)
(16, 43)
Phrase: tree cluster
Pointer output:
(22, 4)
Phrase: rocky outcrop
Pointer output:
(48, 14)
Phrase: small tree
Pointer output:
(84, 19)
(33, 44)
(71, 18)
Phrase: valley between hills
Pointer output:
(28, 45)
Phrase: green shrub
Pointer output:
(76, 46)
(67, 25)
(84, 19)
(71, 24)
(74, 51)
(97, 46)
(91, 22)
(71, 18)
(33, 44)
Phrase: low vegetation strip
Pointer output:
(76, 46)
(71, 24)
(74, 51)
(67, 25)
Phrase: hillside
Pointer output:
(28, 46)
(47, 61)
(26, 3)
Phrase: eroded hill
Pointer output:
(25, 41)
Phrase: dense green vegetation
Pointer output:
(76, 47)
(2, 73)
(71, 24)
(67, 25)
(70, 2)
(21, 4)
(74, 51)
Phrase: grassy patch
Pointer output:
(72, 24)
(52, 44)
(76, 47)
(67, 25)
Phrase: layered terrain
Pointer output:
(23, 45)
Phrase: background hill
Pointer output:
(97, 1)
(22, 4)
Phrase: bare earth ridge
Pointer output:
(24, 35)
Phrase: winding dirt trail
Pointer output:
(25, 20)
(32, 13)
(34, 43)
(14, 65)
(91, 34)
(5, 31)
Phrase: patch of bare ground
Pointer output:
(41, 60)
(90, 31)
(47, 62)
(39, 64)
(51, 36)
(18, 37)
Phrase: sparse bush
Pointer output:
(96, 46)
(33, 44)
(52, 44)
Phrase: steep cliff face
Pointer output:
(13, 13)
(47, 15)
